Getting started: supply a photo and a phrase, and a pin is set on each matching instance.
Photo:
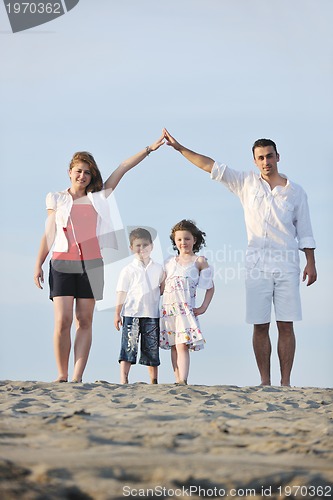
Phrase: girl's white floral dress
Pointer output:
(178, 323)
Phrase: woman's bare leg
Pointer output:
(84, 311)
(63, 318)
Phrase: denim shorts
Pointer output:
(149, 330)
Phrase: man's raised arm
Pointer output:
(201, 161)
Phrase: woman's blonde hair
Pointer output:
(96, 183)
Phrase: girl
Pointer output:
(79, 225)
(180, 328)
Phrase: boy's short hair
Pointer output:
(140, 232)
(263, 143)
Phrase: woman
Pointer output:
(79, 225)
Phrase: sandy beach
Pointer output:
(107, 441)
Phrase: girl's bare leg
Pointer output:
(174, 362)
(84, 311)
(183, 362)
(63, 318)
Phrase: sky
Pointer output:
(106, 77)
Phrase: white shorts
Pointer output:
(263, 289)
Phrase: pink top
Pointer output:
(81, 235)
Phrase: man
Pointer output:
(278, 226)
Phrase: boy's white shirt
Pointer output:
(142, 286)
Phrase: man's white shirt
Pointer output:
(277, 220)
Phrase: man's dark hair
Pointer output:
(263, 143)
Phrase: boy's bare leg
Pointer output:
(125, 367)
(153, 370)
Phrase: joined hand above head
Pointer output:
(158, 143)
(171, 141)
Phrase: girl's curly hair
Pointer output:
(189, 225)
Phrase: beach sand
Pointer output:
(107, 441)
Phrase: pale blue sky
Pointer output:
(106, 78)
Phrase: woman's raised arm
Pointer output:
(126, 165)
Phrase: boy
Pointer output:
(137, 307)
